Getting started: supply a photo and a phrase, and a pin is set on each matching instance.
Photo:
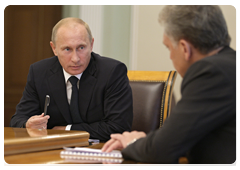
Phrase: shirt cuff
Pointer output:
(68, 127)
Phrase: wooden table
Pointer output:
(53, 157)
(23, 140)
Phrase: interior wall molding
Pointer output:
(93, 16)
(134, 37)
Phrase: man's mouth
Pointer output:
(75, 67)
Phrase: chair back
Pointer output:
(152, 95)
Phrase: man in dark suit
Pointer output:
(104, 95)
(202, 126)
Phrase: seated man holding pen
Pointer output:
(87, 92)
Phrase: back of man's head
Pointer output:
(202, 25)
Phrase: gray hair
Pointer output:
(202, 25)
(66, 21)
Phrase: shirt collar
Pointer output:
(67, 75)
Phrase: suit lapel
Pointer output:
(86, 88)
(58, 89)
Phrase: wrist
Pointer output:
(131, 142)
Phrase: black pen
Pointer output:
(47, 101)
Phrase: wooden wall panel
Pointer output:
(27, 33)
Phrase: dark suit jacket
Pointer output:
(203, 123)
(105, 97)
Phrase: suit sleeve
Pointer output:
(118, 111)
(29, 103)
(207, 96)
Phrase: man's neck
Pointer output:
(200, 56)
(214, 52)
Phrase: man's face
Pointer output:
(73, 48)
(176, 55)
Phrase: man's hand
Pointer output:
(38, 122)
(120, 141)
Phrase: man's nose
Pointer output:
(75, 58)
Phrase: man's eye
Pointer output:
(81, 48)
(67, 49)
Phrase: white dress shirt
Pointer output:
(69, 89)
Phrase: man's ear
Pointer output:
(186, 49)
(53, 48)
(92, 43)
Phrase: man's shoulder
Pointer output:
(106, 66)
(47, 61)
(103, 59)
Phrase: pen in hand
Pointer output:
(47, 101)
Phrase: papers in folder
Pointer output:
(88, 155)
(90, 152)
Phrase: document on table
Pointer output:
(90, 152)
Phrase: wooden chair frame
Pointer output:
(168, 77)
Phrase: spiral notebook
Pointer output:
(81, 151)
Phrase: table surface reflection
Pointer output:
(24, 140)
(52, 157)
